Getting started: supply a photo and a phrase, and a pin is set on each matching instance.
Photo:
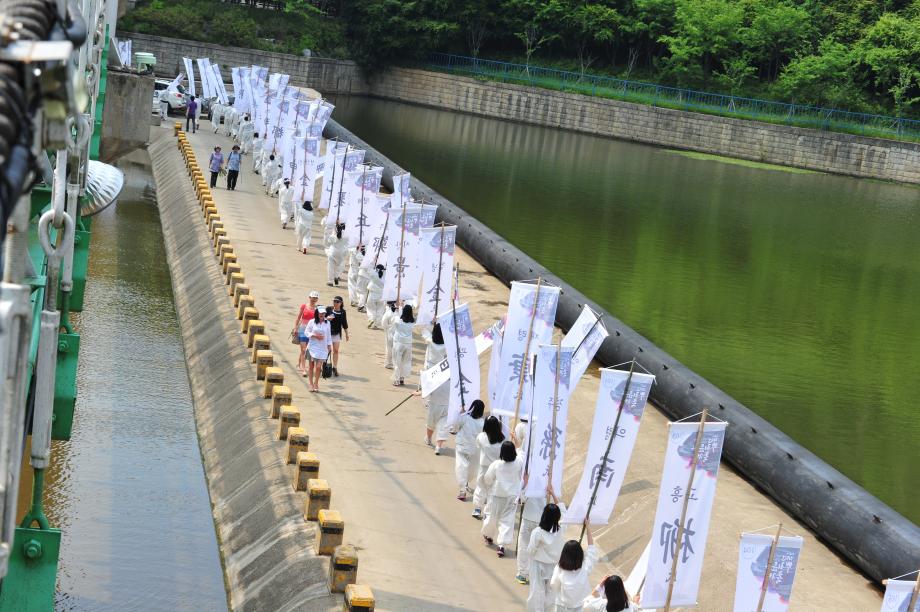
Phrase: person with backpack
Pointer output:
(233, 167)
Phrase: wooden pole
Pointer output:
(916, 594)
(338, 201)
(683, 512)
(437, 293)
(332, 179)
(457, 348)
(526, 356)
(402, 240)
(766, 576)
(361, 215)
(616, 426)
(552, 446)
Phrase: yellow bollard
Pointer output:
(307, 468)
(343, 568)
(331, 530)
(238, 292)
(255, 328)
(226, 260)
(319, 495)
(281, 397)
(217, 234)
(264, 360)
(274, 376)
(213, 223)
(298, 442)
(222, 252)
(290, 417)
(210, 211)
(235, 279)
(246, 301)
(259, 343)
(231, 268)
(177, 128)
(220, 240)
(359, 598)
(249, 314)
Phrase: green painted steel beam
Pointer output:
(29, 586)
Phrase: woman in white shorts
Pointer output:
(320, 345)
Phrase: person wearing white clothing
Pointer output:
(336, 250)
(271, 172)
(401, 331)
(503, 481)
(570, 581)
(286, 203)
(543, 550)
(355, 257)
(389, 318)
(530, 518)
(320, 335)
(373, 304)
(257, 153)
(303, 227)
(439, 398)
(364, 279)
(466, 453)
(489, 443)
(609, 596)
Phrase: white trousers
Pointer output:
(353, 269)
(523, 557)
(437, 418)
(479, 495)
(285, 211)
(375, 309)
(462, 463)
(304, 235)
(499, 523)
(402, 361)
(388, 341)
(335, 265)
(541, 595)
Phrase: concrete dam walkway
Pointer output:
(419, 548)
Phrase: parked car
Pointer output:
(177, 99)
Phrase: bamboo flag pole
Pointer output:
(361, 216)
(552, 446)
(526, 356)
(683, 512)
(335, 147)
(766, 576)
(402, 241)
(616, 426)
(457, 347)
(916, 594)
(437, 293)
(338, 202)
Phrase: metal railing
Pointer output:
(816, 117)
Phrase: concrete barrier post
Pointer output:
(236, 278)
(231, 268)
(221, 240)
(343, 568)
(298, 442)
(290, 417)
(228, 258)
(255, 328)
(260, 342)
(319, 494)
(274, 376)
(307, 468)
(359, 598)
(331, 531)
(219, 233)
(238, 292)
(281, 397)
(225, 249)
(264, 360)
(245, 301)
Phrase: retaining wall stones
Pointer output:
(266, 546)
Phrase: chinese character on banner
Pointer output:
(602, 471)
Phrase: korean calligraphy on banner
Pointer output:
(753, 556)
(514, 365)
(545, 449)
(306, 151)
(436, 264)
(362, 185)
(457, 328)
(586, 336)
(401, 191)
(346, 160)
(897, 596)
(204, 72)
(402, 237)
(605, 472)
(379, 221)
(439, 373)
(674, 479)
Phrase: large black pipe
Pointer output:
(878, 540)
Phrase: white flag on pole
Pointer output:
(379, 221)
(204, 72)
(305, 155)
(586, 335)
(540, 445)
(607, 476)
(191, 76)
(221, 88)
(457, 329)
(436, 262)
(514, 341)
(677, 461)
(346, 160)
(363, 185)
(753, 555)
(439, 373)
(897, 596)
(402, 253)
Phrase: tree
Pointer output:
(778, 31)
(889, 52)
(823, 78)
(705, 33)
(590, 25)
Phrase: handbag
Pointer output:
(327, 369)
(295, 333)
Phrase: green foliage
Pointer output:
(823, 78)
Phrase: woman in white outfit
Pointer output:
(373, 304)
(389, 318)
(439, 398)
(543, 550)
(336, 250)
(303, 227)
(355, 257)
(503, 480)
(489, 442)
(286, 203)
(469, 425)
(609, 596)
(570, 581)
(401, 331)
(320, 345)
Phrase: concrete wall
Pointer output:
(265, 544)
(763, 142)
(127, 114)
(326, 75)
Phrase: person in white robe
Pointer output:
(286, 203)
(355, 257)
(336, 251)
(303, 227)
(401, 331)
(489, 442)
(271, 172)
(390, 316)
(543, 549)
(466, 454)
(503, 482)
(437, 402)
(373, 302)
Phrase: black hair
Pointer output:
(507, 452)
(406, 316)
(477, 408)
(436, 336)
(493, 429)
(307, 205)
(338, 299)
(380, 270)
(617, 600)
(572, 556)
(549, 521)
(271, 157)
(193, 97)
(255, 134)
(362, 249)
(319, 310)
(392, 306)
(339, 228)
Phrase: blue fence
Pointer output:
(881, 126)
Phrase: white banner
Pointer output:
(401, 191)
(221, 88)
(543, 447)
(174, 84)
(439, 373)
(345, 160)
(897, 596)
(306, 153)
(513, 362)
(586, 335)
(607, 476)
(753, 555)
(362, 208)
(677, 461)
(402, 253)
(379, 221)
(123, 49)
(436, 262)
(191, 76)
(457, 329)
(204, 73)
(319, 120)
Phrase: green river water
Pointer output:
(795, 292)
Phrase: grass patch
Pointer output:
(741, 162)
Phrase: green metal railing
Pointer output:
(798, 115)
